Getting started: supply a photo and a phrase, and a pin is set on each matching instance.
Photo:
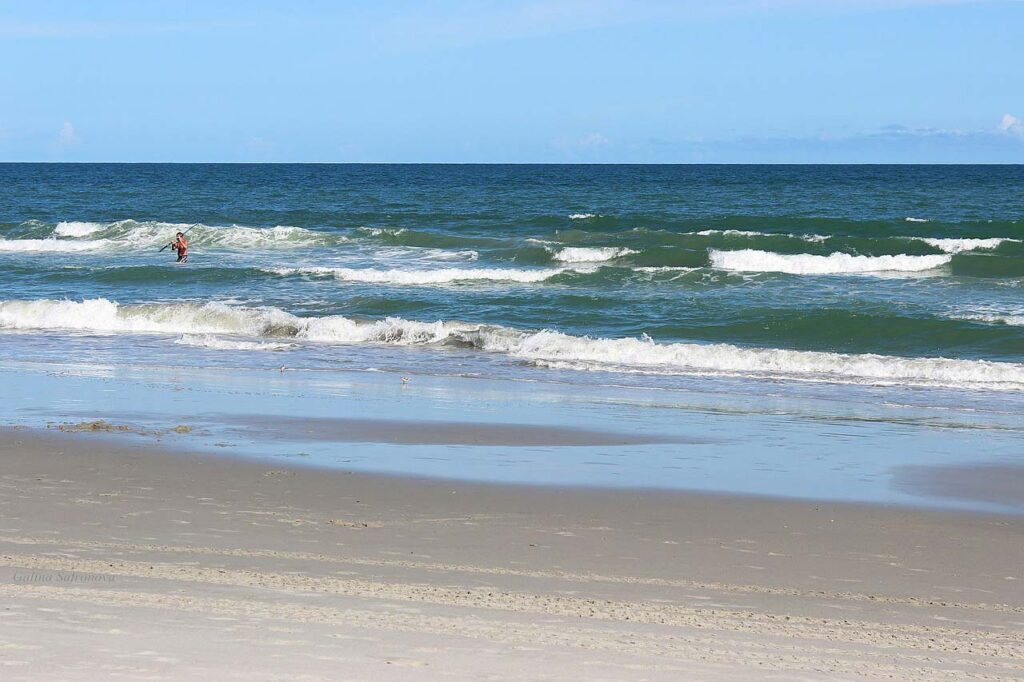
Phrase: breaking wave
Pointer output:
(750, 260)
(961, 245)
(76, 229)
(121, 235)
(582, 254)
(269, 328)
(814, 238)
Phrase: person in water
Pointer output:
(180, 244)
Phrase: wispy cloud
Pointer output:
(66, 137)
(583, 147)
(1011, 125)
(1002, 143)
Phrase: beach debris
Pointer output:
(182, 428)
(352, 524)
(405, 380)
(96, 425)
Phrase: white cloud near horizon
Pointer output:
(67, 137)
(1012, 125)
(892, 143)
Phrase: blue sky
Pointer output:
(470, 81)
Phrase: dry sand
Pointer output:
(121, 560)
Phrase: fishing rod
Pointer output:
(182, 234)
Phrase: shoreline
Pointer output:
(493, 430)
(986, 483)
(276, 567)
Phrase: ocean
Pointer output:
(855, 294)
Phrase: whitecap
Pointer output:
(750, 260)
(961, 245)
(581, 254)
(76, 229)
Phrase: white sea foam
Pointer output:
(665, 268)
(581, 254)
(992, 314)
(379, 231)
(961, 245)
(48, 245)
(583, 216)
(71, 236)
(76, 229)
(218, 343)
(101, 315)
(427, 277)
(441, 254)
(545, 348)
(561, 350)
(750, 260)
(732, 233)
(750, 233)
(994, 318)
(916, 220)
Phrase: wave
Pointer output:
(597, 254)
(76, 229)
(383, 231)
(1009, 320)
(583, 216)
(1012, 316)
(562, 351)
(915, 220)
(753, 234)
(121, 235)
(750, 260)
(270, 327)
(426, 277)
(961, 245)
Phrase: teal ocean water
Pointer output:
(899, 275)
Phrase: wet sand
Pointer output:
(124, 560)
(411, 432)
(994, 483)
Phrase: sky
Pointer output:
(533, 81)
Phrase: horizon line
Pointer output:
(517, 163)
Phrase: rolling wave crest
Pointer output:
(267, 328)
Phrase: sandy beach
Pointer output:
(123, 559)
